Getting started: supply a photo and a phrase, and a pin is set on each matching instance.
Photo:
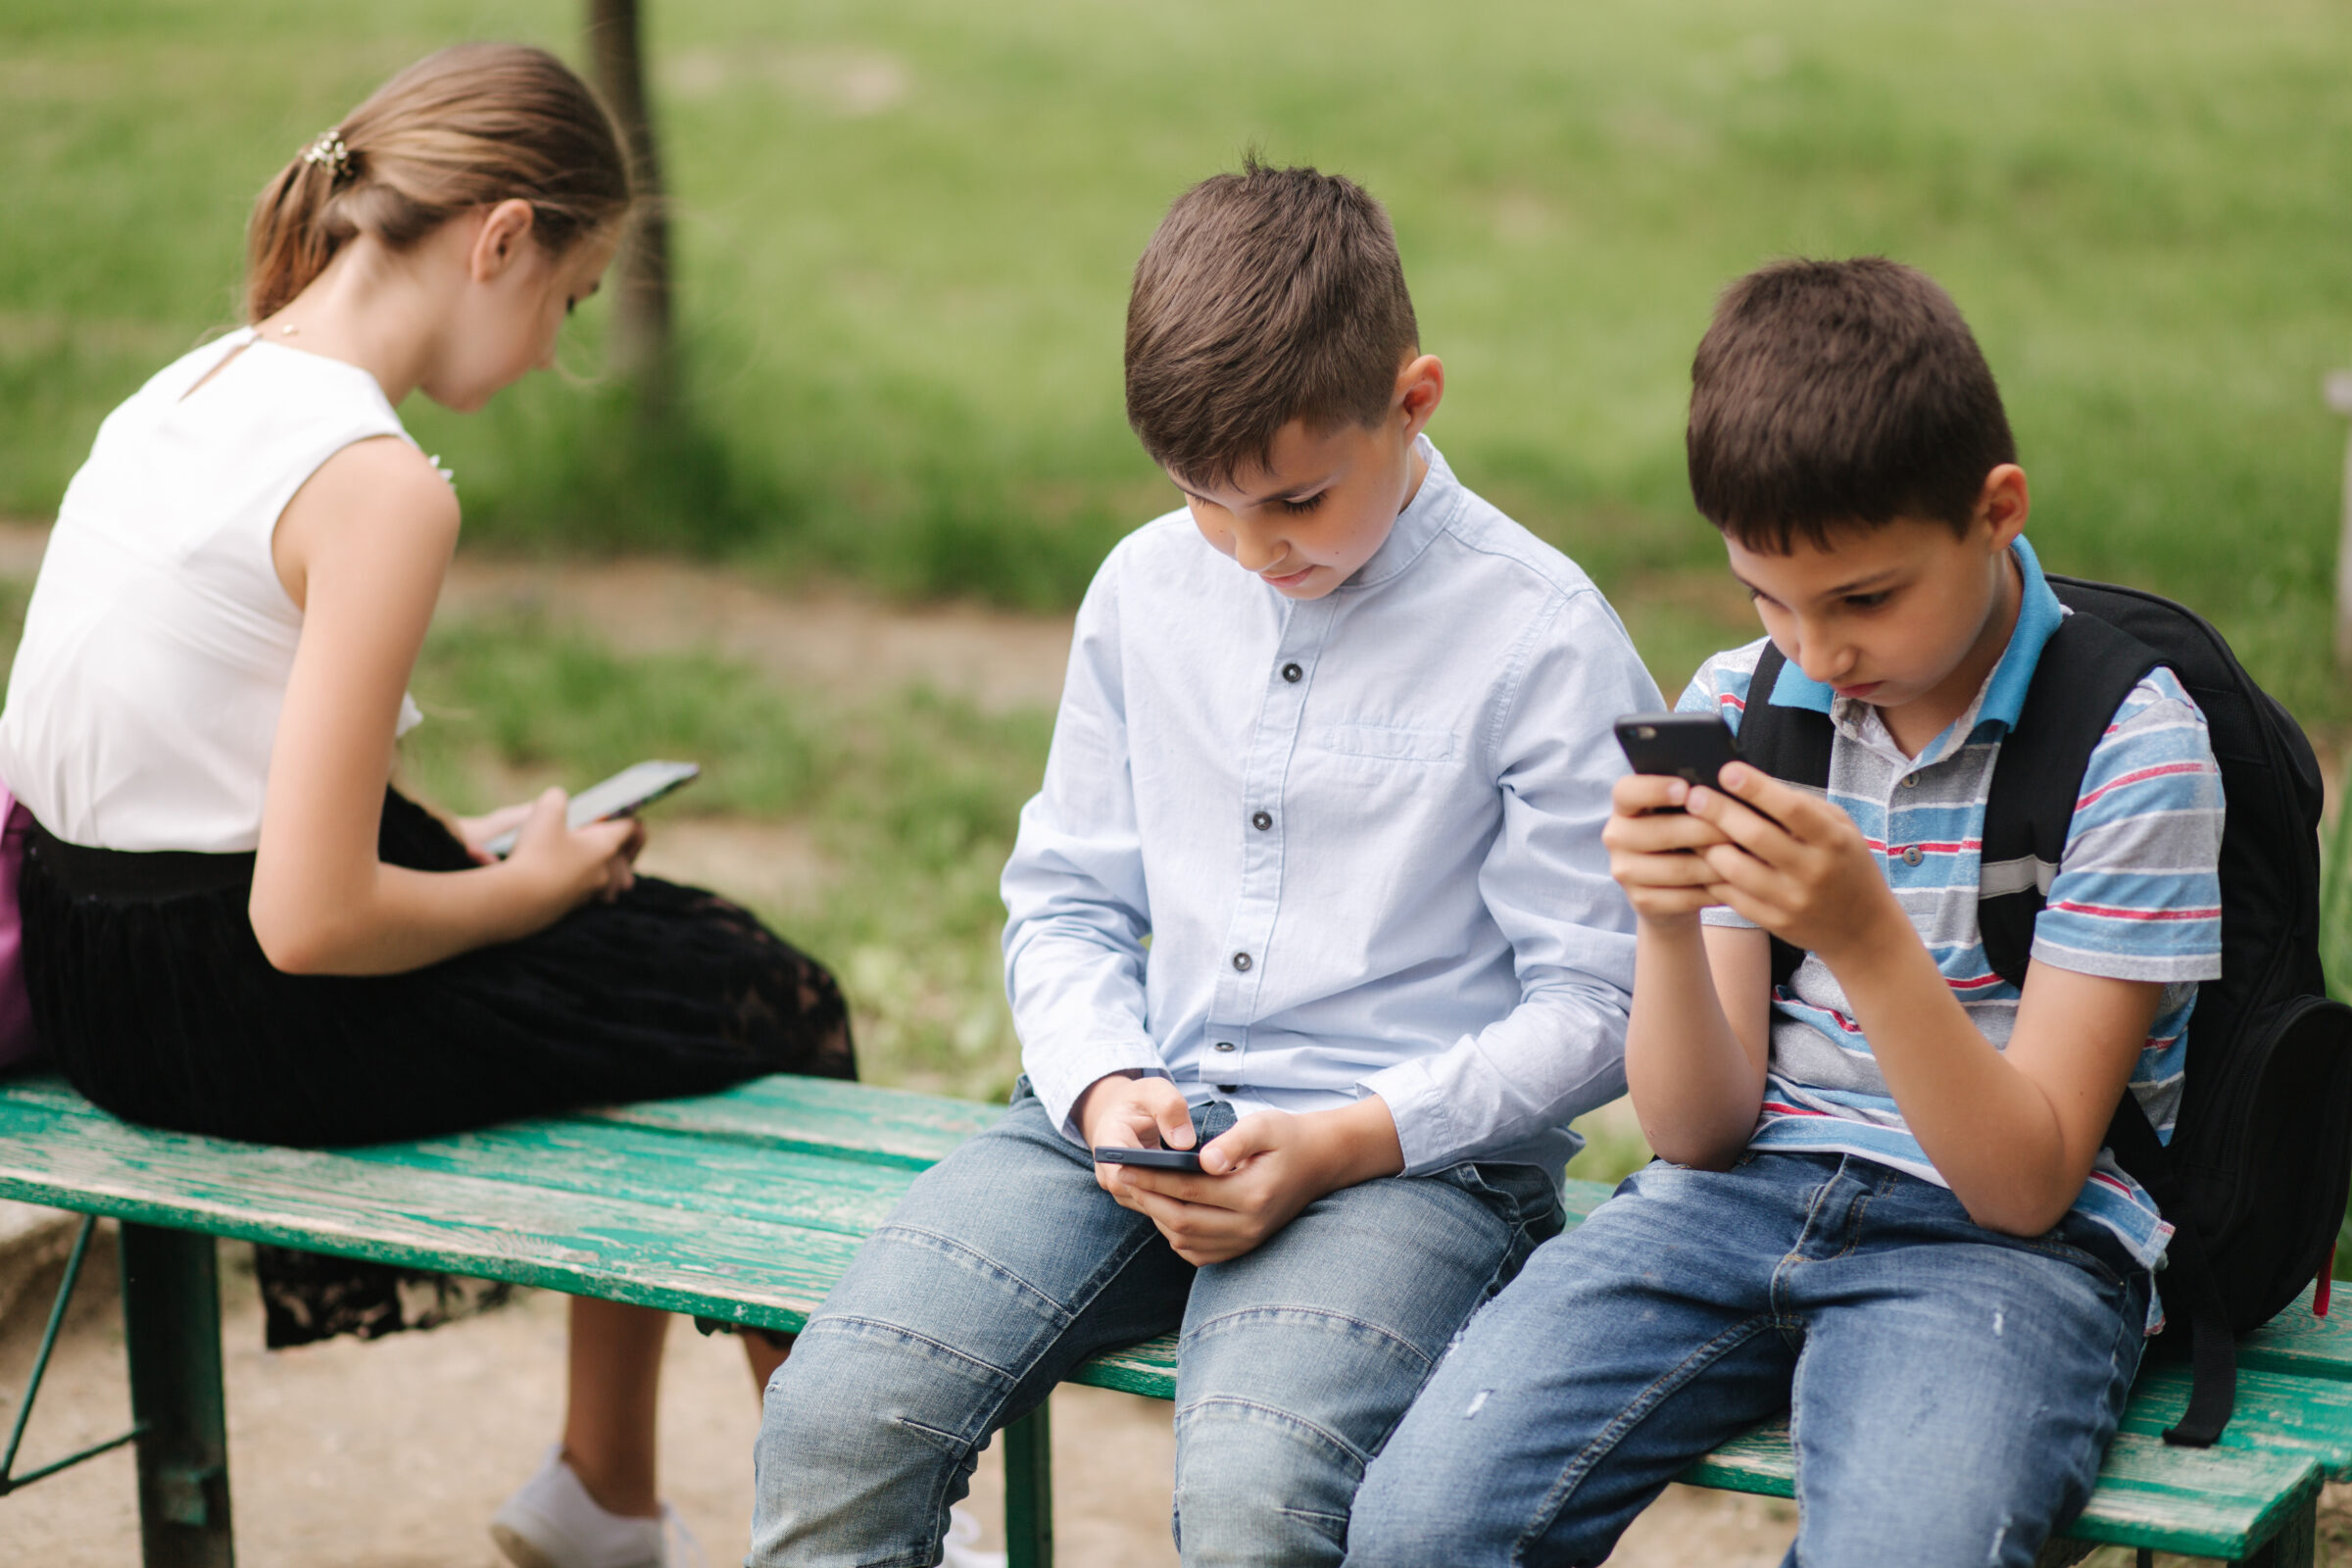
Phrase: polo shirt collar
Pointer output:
(1418, 525)
(2039, 613)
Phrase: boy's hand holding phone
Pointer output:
(1131, 1111)
(1652, 843)
(1796, 866)
(1253, 1179)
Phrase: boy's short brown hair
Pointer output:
(1830, 394)
(1266, 296)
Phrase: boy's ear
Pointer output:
(2004, 502)
(1420, 388)
(499, 243)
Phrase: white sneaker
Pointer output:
(961, 1548)
(551, 1522)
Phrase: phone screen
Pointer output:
(1693, 747)
(640, 784)
(1149, 1159)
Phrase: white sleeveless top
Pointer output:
(145, 695)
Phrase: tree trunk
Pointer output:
(643, 347)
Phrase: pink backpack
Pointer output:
(15, 1004)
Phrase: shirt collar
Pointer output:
(1418, 525)
(2004, 694)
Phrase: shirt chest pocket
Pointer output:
(1389, 743)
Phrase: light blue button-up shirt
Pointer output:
(1288, 853)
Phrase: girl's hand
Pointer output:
(1796, 866)
(475, 831)
(1651, 848)
(576, 864)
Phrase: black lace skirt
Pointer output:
(151, 993)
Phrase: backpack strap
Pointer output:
(1792, 744)
(2087, 670)
(2190, 1283)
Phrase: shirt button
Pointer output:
(1910, 781)
(1292, 673)
(1224, 1044)
(1261, 820)
(1240, 961)
(1912, 857)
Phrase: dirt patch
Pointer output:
(839, 642)
(20, 545)
(770, 866)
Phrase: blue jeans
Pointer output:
(1004, 1266)
(1951, 1390)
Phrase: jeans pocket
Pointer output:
(2088, 1247)
(1522, 1197)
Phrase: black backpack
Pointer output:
(2254, 1179)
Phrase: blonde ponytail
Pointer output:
(466, 127)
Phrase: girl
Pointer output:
(233, 924)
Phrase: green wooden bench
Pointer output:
(747, 1205)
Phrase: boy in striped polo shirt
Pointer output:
(1881, 1203)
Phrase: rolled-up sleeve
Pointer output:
(1076, 907)
(1545, 883)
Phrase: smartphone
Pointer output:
(1149, 1159)
(1693, 747)
(623, 793)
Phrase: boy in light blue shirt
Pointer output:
(1315, 885)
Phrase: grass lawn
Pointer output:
(906, 228)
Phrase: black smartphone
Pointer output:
(1693, 747)
(1149, 1159)
(640, 784)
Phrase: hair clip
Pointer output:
(329, 154)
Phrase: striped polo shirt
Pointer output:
(2136, 894)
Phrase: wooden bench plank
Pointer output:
(562, 1155)
(2201, 1503)
(819, 1116)
(2276, 1411)
(2298, 1343)
(1148, 1370)
(768, 1272)
(1580, 1197)
(716, 1177)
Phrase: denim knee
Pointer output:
(867, 1435)
(1259, 1485)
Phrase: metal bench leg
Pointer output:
(171, 1327)
(1029, 1490)
(2296, 1545)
